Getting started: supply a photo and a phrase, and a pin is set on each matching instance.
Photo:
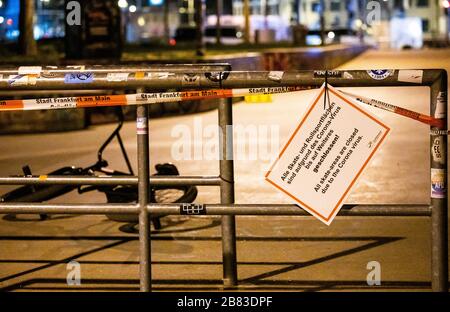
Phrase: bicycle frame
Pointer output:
(116, 133)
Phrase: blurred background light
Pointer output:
(313, 40)
(122, 4)
(141, 21)
(156, 2)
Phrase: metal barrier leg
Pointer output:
(143, 192)
(227, 193)
(439, 196)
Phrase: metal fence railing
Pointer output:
(188, 77)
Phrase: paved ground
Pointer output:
(276, 253)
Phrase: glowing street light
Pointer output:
(446, 4)
(132, 8)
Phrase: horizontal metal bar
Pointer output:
(9, 70)
(231, 79)
(61, 70)
(294, 210)
(185, 180)
(110, 180)
(46, 93)
(91, 209)
(213, 209)
(315, 78)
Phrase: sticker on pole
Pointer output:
(326, 154)
(142, 125)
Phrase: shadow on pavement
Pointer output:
(257, 282)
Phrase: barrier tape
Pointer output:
(439, 132)
(163, 97)
(397, 110)
(136, 99)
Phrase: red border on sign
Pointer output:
(326, 219)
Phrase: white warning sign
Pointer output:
(327, 153)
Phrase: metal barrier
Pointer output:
(184, 77)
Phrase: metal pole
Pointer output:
(227, 193)
(322, 22)
(219, 7)
(199, 19)
(246, 12)
(166, 22)
(27, 43)
(439, 196)
(143, 197)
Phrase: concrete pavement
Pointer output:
(274, 253)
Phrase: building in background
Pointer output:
(337, 14)
(9, 20)
(432, 15)
(274, 16)
(49, 19)
(410, 23)
(148, 21)
(280, 16)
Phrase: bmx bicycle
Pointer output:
(113, 193)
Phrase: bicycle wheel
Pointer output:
(160, 194)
